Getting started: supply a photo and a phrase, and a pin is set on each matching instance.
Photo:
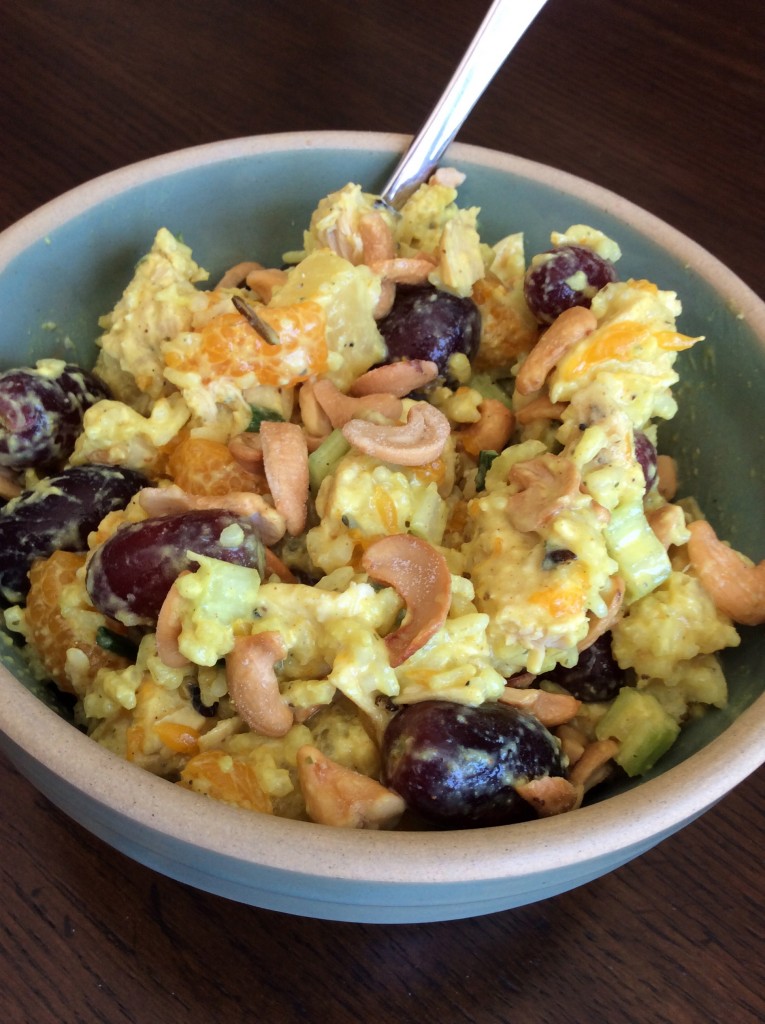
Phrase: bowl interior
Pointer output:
(66, 265)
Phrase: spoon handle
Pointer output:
(503, 26)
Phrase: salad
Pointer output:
(379, 538)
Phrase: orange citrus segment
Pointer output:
(51, 632)
(229, 346)
(223, 777)
(202, 466)
(177, 737)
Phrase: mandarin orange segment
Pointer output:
(229, 346)
(181, 739)
(222, 777)
(199, 465)
(53, 633)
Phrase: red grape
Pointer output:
(458, 766)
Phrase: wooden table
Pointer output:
(659, 100)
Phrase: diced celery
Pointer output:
(488, 388)
(323, 461)
(643, 562)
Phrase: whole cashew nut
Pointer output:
(417, 442)
(420, 575)
(253, 686)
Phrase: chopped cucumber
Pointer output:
(323, 461)
(643, 562)
(643, 728)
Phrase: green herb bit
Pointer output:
(265, 330)
(261, 415)
(485, 459)
(116, 643)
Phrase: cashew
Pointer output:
(594, 765)
(237, 274)
(336, 795)
(550, 708)
(492, 431)
(548, 484)
(550, 795)
(404, 269)
(340, 408)
(569, 329)
(377, 241)
(736, 585)
(253, 686)
(276, 567)
(162, 501)
(169, 626)
(264, 281)
(666, 472)
(285, 460)
(247, 449)
(421, 577)
(419, 441)
(9, 485)
(315, 421)
(540, 408)
(399, 378)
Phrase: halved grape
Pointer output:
(41, 414)
(595, 677)
(645, 453)
(428, 323)
(129, 576)
(58, 514)
(458, 766)
(566, 276)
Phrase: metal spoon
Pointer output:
(503, 26)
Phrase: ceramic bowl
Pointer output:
(66, 264)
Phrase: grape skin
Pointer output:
(41, 416)
(566, 276)
(428, 323)
(129, 576)
(58, 514)
(458, 766)
(596, 675)
(645, 453)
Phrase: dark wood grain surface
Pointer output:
(659, 100)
